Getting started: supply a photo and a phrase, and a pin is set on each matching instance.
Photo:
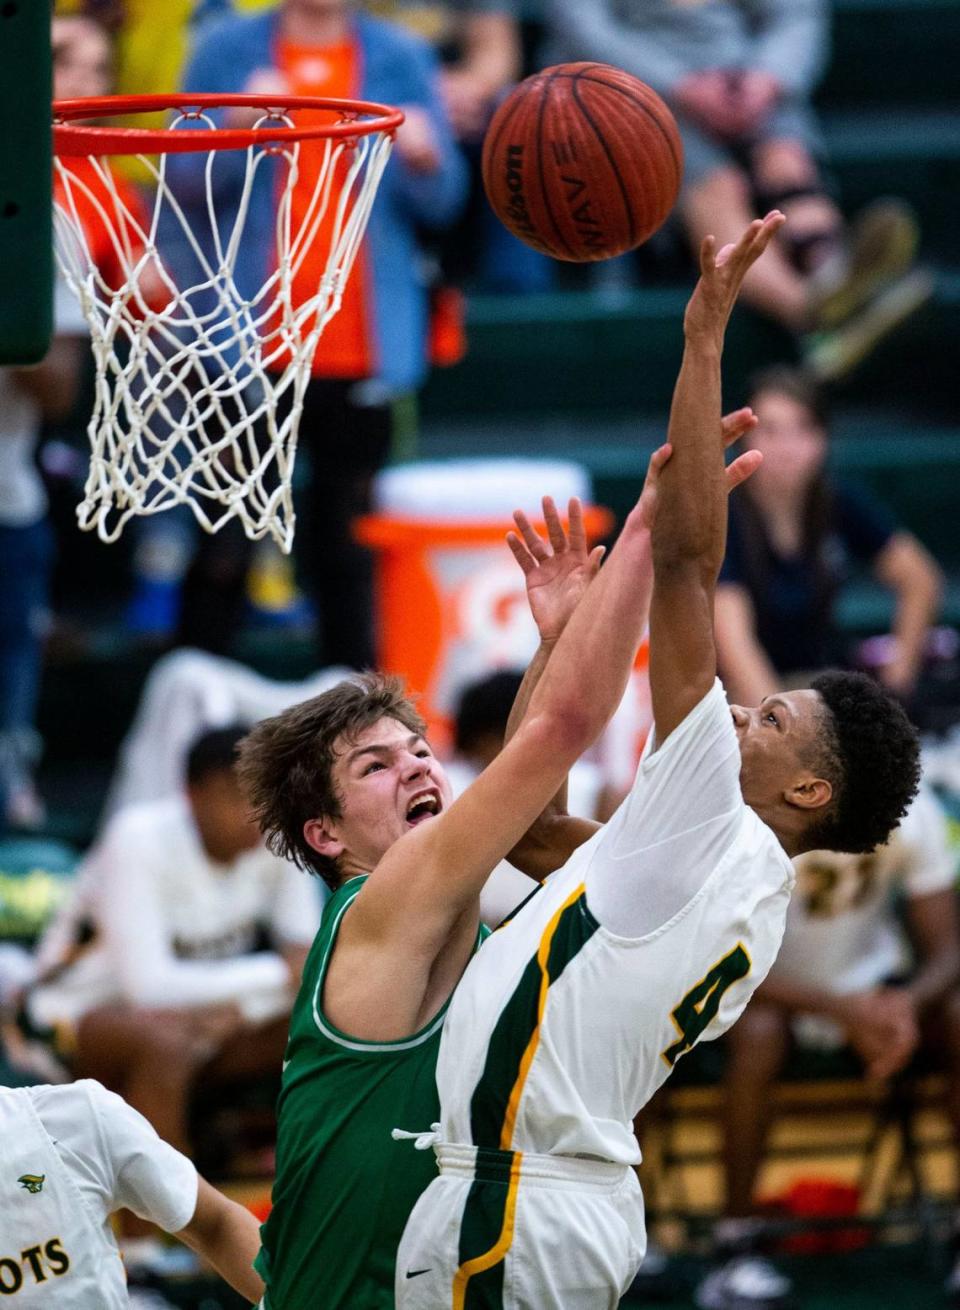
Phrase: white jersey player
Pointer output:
(656, 931)
(70, 1156)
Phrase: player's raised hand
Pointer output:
(732, 428)
(722, 274)
(557, 571)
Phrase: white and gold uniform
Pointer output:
(69, 1157)
(843, 932)
(652, 937)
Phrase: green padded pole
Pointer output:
(26, 224)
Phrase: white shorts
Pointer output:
(499, 1230)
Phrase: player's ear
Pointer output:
(320, 836)
(809, 792)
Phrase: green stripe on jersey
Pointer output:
(518, 1022)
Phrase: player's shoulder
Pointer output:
(706, 721)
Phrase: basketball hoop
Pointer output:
(200, 378)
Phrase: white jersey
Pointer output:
(843, 934)
(171, 927)
(69, 1157)
(653, 936)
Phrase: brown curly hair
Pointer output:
(285, 764)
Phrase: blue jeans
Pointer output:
(26, 565)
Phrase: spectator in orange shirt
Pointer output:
(374, 350)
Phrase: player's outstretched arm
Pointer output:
(432, 876)
(557, 573)
(227, 1235)
(689, 535)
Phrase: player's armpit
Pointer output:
(227, 1235)
(548, 844)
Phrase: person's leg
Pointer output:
(757, 1047)
(845, 264)
(214, 589)
(26, 556)
(941, 1037)
(253, 1050)
(742, 1278)
(349, 441)
(150, 1058)
(721, 204)
(786, 175)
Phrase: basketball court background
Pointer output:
(557, 375)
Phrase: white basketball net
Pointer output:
(199, 390)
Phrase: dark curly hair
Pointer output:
(285, 764)
(871, 755)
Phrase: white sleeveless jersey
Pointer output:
(561, 1029)
(61, 1175)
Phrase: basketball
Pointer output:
(582, 162)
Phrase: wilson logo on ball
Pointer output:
(516, 205)
(582, 161)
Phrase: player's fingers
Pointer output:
(743, 467)
(733, 426)
(658, 459)
(533, 542)
(558, 538)
(765, 233)
(575, 531)
(596, 559)
(520, 553)
(708, 255)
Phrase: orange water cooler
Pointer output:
(451, 604)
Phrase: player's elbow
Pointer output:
(570, 727)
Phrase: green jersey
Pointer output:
(344, 1188)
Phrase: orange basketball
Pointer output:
(582, 161)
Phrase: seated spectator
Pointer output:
(152, 976)
(738, 75)
(27, 550)
(479, 44)
(373, 351)
(794, 534)
(61, 1145)
(845, 974)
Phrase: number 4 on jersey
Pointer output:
(700, 1005)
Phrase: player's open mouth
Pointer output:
(425, 805)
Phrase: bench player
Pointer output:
(70, 1157)
(656, 930)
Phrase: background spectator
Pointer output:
(794, 534)
(374, 350)
(27, 396)
(739, 74)
(845, 973)
(480, 48)
(153, 975)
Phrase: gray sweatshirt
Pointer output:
(661, 41)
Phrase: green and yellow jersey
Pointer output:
(344, 1188)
